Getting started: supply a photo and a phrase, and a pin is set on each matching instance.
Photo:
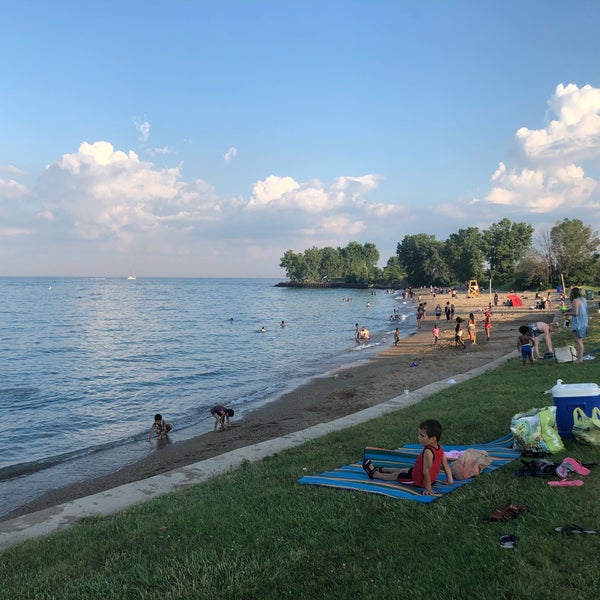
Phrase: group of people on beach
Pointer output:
(471, 324)
(576, 319)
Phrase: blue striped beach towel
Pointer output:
(353, 477)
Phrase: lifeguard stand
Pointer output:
(473, 291)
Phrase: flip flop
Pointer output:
(574, 465)
(566, 483)
(498, 515)
(512, 510)
(508, 512)
(508, 542)
(575, 530)
(370, 469)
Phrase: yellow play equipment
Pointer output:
(473, 291)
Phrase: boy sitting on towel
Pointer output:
(427, 467)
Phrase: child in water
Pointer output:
(159, 427)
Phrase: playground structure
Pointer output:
(473, 291)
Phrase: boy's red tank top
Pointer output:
(417, 473)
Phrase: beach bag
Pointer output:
(539, 468)
(470, 463)
(587, 429)
(566, 354)
(535, 431)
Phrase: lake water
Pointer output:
(85, 363)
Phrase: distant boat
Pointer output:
(132, 276)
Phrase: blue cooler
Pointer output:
(569, 396)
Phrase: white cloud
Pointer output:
(161, 150)
(312, 196)
(12, 190)
(230, 154)
(110, 203)
(14, 232)
(102, 192)
(574, 135)
(329, 226)
(11, 170)
(549, 174)
(102, 195)
(272, 189)
(143, 129)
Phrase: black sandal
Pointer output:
(369, 467)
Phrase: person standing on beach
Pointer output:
(222, 416)
(471, 328)
(447, 310)
(396, 337)
(579, 320)
(357, 333)
(436, 334)
(420, 315)
(525, 345)
(458, 333)
(495, 298)
(487, 324)
(438, 312)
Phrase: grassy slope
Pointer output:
(254, 533)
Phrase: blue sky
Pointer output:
(207, 138)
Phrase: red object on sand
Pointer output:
(516, 301)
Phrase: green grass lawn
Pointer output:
(254, 533)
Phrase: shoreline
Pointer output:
(346, 391)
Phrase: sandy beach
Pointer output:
(341, 393)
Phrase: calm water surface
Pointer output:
(85, 363)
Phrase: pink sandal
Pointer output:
(573, 464)
(566, 483)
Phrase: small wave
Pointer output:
(27, 468)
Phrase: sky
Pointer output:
(205, 139)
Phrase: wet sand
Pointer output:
(343, 392)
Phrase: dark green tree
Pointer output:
(531, 272)
(464, 255)
(312, 259)
(574, 249)
(504, 245)
(421, 256)
(294, 265)
(393, 271)
(331, 263)
(360, 262)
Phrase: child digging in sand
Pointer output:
(222, 416)
(427, 467)
(159, 427)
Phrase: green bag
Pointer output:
(535, 431)
(587, 429)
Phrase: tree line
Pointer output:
(505, 253)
